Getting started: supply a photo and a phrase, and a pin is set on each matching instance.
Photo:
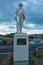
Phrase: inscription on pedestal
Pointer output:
(21, 41)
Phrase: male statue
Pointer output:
(19, 17)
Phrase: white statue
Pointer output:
(19, 17)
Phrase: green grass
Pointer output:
(39, 54)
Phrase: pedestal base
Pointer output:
(21, 63)
(21, 49)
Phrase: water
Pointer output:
(32, 47)
(6, 48)
(9, 48)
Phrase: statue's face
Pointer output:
(20, 7)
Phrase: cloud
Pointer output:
(6, 28)
(30, 25)
(33, 26)
(35, 32)
(33, 13)
(3, 27)
(32, 31)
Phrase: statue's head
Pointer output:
(20, 5)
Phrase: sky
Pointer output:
(33, 24)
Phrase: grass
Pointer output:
(39, 54)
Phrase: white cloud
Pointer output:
(3, 33)
(6, 28)
(30, 25)
(7, 32)
(13, 24)
(33, 26)
(35, 32)
(3, 27)
(11, 28)
(32, 31)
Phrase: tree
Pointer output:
(4, 41)
(11, 61)
(42, 36)
(9, 35)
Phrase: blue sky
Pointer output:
(33, 12)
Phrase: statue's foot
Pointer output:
(16, 32)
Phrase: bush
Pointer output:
(39, 54)
(11, 61)
(31, 61)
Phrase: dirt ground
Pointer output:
(4, 58)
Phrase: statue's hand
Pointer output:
(23, 16)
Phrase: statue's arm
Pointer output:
(16, 14)
(24, 14)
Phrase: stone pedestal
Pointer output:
(21, 48)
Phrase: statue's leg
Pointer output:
(17, 24)
(21, 25)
